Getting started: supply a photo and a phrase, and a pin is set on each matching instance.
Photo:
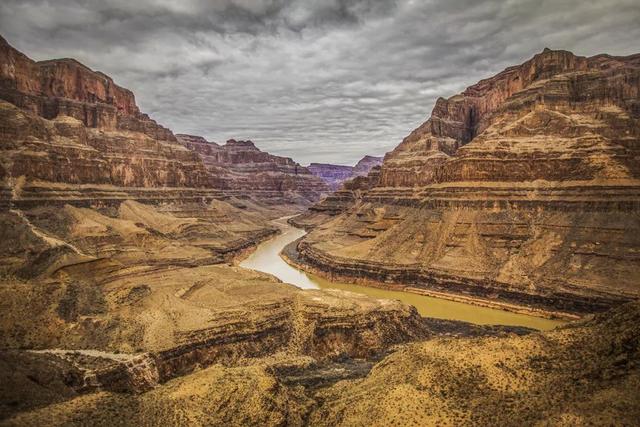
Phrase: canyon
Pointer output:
(128, 293)
(118, 246)
(241, 168)
(523, 189)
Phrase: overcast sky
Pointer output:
(316, 80)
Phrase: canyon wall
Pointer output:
(523, 188)
(241, 169)
(335, 175)
(121, 302)
(71, 135)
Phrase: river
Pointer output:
(266, 258)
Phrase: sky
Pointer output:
(315, 80)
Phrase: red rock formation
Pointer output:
(551, 81)
(64, 126)
(335, 175)
(525, 187)
(66, 87)
(243, 169)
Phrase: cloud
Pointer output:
(324, 81)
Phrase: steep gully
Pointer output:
(266, 258)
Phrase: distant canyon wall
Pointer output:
(335, 175)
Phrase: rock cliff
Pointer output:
(335, 175)
(523, 188)
(71, 135)
(65, 87)
(241, 169)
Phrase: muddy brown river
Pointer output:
(267, 259)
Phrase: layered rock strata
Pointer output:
(524, 188)
(336, 175)
(71, 135)
(586, 373)
(577, 375)
(125, 299)
(117, 249)
(241, 169)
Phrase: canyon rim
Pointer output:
(326, 265)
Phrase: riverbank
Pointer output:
(274, 257)
(289, 255)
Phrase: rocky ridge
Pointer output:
(577, 375)
(524, 188)
(581, 374)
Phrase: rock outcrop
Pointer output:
(577, 375)
(586, 373)
(523, 188)
(335, 175)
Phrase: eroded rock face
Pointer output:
(556, 378)
(241, 169)
(583, 373)
(71, 135)
(336, 175)
(548, 119)
(524, 188)
(65, 87)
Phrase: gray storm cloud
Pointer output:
(323, 81)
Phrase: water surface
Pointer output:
(267, 259)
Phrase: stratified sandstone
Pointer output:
(71, 135)
(65, 87)
(241, 168)
(523, 188)
(583, 374)
(336, 175)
